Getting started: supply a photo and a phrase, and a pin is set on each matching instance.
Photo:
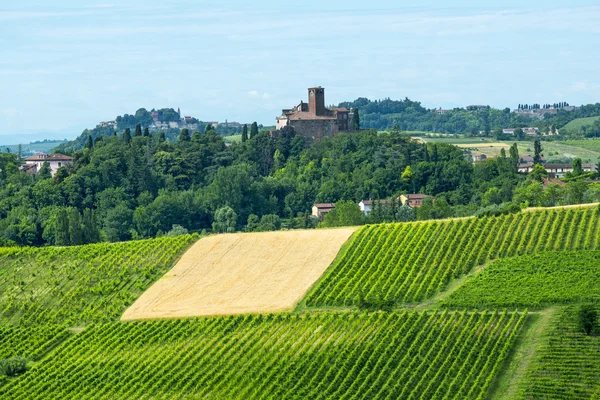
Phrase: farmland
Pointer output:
(535, 280)
(321, 355)
(567, 365)
(407, 263)
(242, 273)
(80, 284)
(446, 309)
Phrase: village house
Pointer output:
(313, 120)
(34, 163)
(414, 200)
(320, 209)
(560, 170)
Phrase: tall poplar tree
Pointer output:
(244, 133)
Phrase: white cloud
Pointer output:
(253, 93)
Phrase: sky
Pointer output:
(66, 65)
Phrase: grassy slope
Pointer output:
(575, 125)
(589, 144)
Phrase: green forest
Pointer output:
(139, 185)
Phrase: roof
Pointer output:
(370, 202)
(324, 205)
(49, 157)
(548, 181)
(555, 166)
(340, 109)
(415, 196)
(306, 116)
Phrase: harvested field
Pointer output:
(241, 273)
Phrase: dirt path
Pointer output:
(241, 273)
(507, 387)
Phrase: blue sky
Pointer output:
(65, 65)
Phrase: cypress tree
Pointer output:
(127, 135)
(184, 135)
(244, 133)
(91, 234)
(138, 130)
(253, 129)
(537, 152)
(75, 227)
(89, 144)
(61, 236)
(355, 121)
(146, 132)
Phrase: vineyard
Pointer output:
(407, 263)
(29, 342)
(78, 285)
(533, 281)
(567, 365)
(352, 355)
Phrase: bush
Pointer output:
(13, 366)
(588, 318)
(177, 230)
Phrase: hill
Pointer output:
(393, 317)
(577, 125)
(241, 273)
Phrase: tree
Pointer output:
(253, 129)
(146, 132)
(537, 152)
(75, 227)
(91, 233)
(538, 173)
(89, 143)
(209, 127)
(253, 222)
(184, 135)
(20, 155)
(61, 236)
(45, 172)
(117, 223)
(514, 158)
(270, 222)
(127, 135)
(577, 167)
(345, 213)
(177, 230)
(138, 130)
(244, 133)
(587, 318)
(225, 220)
(355, 121)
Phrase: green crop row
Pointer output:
(567, 364)
(351, 355)
(533, 281)
(80, 284)
(409, 262)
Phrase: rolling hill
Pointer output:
(453, 309)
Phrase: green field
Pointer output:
(536, 280)
(311, 356)
(81, 284)
(574, 127)
(475, 308)
(232, 138)
(408, 263)
(567, 362)
(589, 144)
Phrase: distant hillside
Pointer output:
(44, 146)
(412, 116)
(580, 125)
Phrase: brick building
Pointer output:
(313, 120)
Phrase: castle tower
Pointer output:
(316, 100)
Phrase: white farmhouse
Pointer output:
(34, 163)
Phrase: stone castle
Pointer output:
(314, 120)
